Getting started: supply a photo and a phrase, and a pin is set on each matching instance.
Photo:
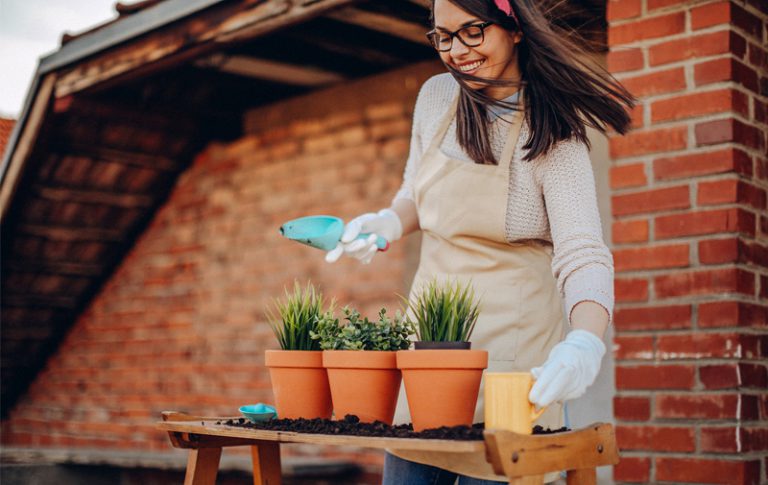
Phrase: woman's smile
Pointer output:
(470, 66)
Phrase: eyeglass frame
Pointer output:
(481, 25)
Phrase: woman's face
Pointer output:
(494, 58)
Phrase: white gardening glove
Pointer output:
(571, 367)
(384, 223)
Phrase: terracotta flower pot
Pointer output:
(364, 383)
(300, 383)
(442, 385)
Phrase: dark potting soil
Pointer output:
(351, 425)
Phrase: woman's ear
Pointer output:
(515, 36)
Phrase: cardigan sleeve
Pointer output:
(416, 151)
(582, 263)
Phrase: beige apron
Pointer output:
(462, 210)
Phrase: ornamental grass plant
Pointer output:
(357, 333)
(444, 312)
(295, 317)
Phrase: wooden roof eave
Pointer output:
(89, 60)
(27, 126)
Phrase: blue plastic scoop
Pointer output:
(321, 232)
(258, 412)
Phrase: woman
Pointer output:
(500, 183)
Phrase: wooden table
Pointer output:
(522, 458)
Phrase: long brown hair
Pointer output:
(563, 92)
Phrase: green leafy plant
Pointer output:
(363, 334)
(296, 316)
(445, 313)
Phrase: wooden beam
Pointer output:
(381, 23)
(88, 196)
(188, 39)
(55, 267)
(11, 299)
(26, 142)
(360, 52)
(178, 122)
(71, 233)
(269, 70)
(297, 13)
(134, 159)
(27, 333)
(422, 3)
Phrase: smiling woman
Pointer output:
(500, 183)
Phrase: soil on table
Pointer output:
(351, 425)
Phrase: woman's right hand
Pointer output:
(385, 223)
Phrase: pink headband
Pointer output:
(505, 7)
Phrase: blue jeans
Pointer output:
(403, 472)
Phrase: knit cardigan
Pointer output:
(551, 198)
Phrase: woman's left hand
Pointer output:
(571, 367)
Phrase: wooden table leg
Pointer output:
(266, 463)
(202, 466)
(584, 476)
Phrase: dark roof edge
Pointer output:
(10, 147)
(88, 44)
(124, 29)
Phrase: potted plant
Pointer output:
(359, 356)
(442, 376)
(299, 380)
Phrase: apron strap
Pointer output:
(512, 137)
(445, 122)
(509, 144)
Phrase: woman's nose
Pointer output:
(458, 49)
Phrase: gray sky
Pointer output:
(30, 29)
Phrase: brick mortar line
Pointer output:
(693, 265)
(749, 425)
(700, 388)
(679, 241)
(691, 123)
(688, 31)
(709, 455)
(691, 210)
(706, 177)
(649, 157)
(683, 332)
(694, 422)
(692, 62)
(653, 272)
(680, 182)
(664, 332)
(696, 361)
(684, 63)
(698, 299)
(696, 90)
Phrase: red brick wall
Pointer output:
(180, 326)
(6, 127)
(689, 204)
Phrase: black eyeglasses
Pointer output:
(471, 36)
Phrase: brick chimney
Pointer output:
(689, 231)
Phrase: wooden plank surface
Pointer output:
(211, 428)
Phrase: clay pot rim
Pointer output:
(442, 359)
(293, 358)
(440, 345)
(360, 359)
